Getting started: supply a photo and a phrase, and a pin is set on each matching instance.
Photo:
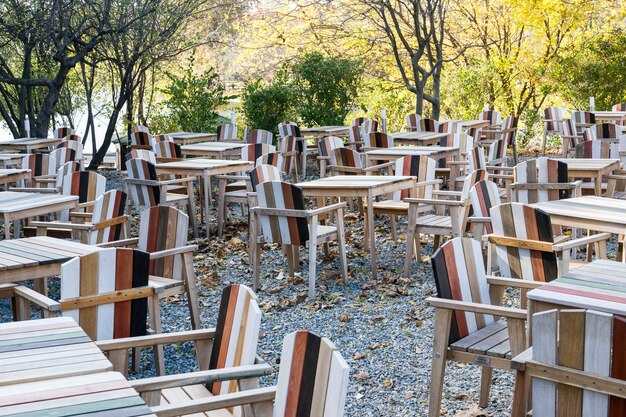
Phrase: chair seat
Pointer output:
(173, 198)
(390, 206)
(491, 340)
(434, 221)
(235, 186)
(191, 392)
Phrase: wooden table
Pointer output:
(204, 169)
(591, 168)
(391, 154)
(469, 124)
(219, 150)
(362, 186)
(13, 175)
(36, 350)
(323, 131)
(12, 160)
(418, 138)
(27, 145)
(186, 138)
(16, 205)
(607, 116)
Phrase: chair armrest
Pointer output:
(341, 168)
(460, 163)
(323, 158)
(431, 182)
(574, 243)
(35, 190)
(499, 168)
(156, 339)
(37, 298)
(475, 219)
(519, 362)
(445, 193)
(513, 282)
(544, 186)
(514, 242)
(63, 225)
(120, 243)
(176, 181)
(86, 204)
(379, 166)
(233, 177)
(513, 313)
(173, 251)
(326, 209)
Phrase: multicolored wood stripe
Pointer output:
(358, 121)
(494, 117)
(429, 125)
(328, 144)
(422, 168)
(62, 156)
(570, 134)
(144, 154)
(39, 164)
(140, 136)
(462, 141)
(226, 131)
(589, 134)
(255, 150)
(65, 169)
(282, 229)
(161, 228)
(476, 158)
(101, 272)
(289, 149)
(164, 137)
(236, 333)
(541, 171)
(260, 136)
(597, 149)
(509, 127)
(264, 173)
(379, 140)
(271, 158)
(354, 137)
(167, 149)
(583, 117)
(413, 121)
(287, 128)
(449, 126)
(75, 145)
(608, 131)
(108, 206)
(522, 221)
(87, 185)
(143, 194)
(346, 157)
(460, 275)
(497, 150)
(368, 126)
(484, 195)
(553, 119)
(313, 377)
(619, 107)
(62, 132)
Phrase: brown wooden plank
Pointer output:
(571, 355)
(476, 337)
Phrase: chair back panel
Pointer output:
(39, 164)
(167, 149)
(226, 131)
(522, 221)
(449, 126)
(346, 157)
(494, 117)
(368, 126)
(264, 173)
(75, 145)
(260, 136)
(429, 125)
(608, 131)
(497, 150)
(572, 137)
(358, 121)
(540, 171)
(589, 134)
(289, 149)
(460, 275)
(328, 144)
(313, 378)
(619, 107)
(107, 270)
(161, 228)
(422, 168)
(236, 333)
(597, 149)
(379, 140)
(62, 156)
(282, 229)
(140, 136)
(583, 117)
(64, 131)
(413, 121)
(476, 158)
(108, 206)
(255, 150)
(144, 154)
(87, 185)
(143, 194)
(288, 128)
(484, 195)
(470, 180)
(271, 158)
(67, 168)
(553, 119)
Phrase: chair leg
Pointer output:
(436, 242)
(485, 386)
(341, 241)
(394, 234)
(191, 208)
(410, 237)
(256, 265)
(221, 207)
(154, 309)
(443, 320)
(312, 256)
(287, 249)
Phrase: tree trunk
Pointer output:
(98, 156)
(47, 106)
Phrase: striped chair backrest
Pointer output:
(509, 124)
(619, 107)
(583, 117)
(494, 117)
(140, 136)
(522, 221)
(62, 156)
(87, 185)
(288, 148)
(62, 132)
(143, 194)
(540, 171)
(288, 128)
(354, 136)
(368, 126)
(585, 342)
(413, 122)
(254, 151)
(264, 173)
(476, 158)
(484, 195)
(597, 149)
(497, 150)
(313, 378)
(101, 272)
(282, 229)
(553, 119)
(65, 169)
(464, 142)
(422, 168)
(358, 121)
(379, 140)
(226, 131)
(449, 126)
(271, 158)
(346, 157)
(236, 334)
(589, 134)
(39, 164)
(608, 131)
(161, 228)
(166, 149)
(460, 275)
(108, 206)
(75, 145)
(571, 134)
(429, 125)
(470, 180)
(163, 137)
(145, 154)
(260, 136)
(328, 144)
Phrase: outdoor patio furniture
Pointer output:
(570, 137)
(74, 145)
(219, 150)
(418, 138)
(28, 145)
(63, 132)
(272, 158)
(289, 149)
(326, 146)
(583, 119)
(226, 132)
(260, 136)
(139, 138)
(542, 179)
(552, 125)
(412, 122)
(166, 151)
(429, 125)
(484, 195)
(145, 154)
(40, 165)
(507, 132)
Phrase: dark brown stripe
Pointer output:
(617, 405)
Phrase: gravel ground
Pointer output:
(383, 328)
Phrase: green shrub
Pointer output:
(265, 105)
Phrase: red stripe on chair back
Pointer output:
(260, 136)
(281, 228)
(263, 173)
(328, 144)
(429, 125)
(346, 157)
(255, 150)
(422, 168)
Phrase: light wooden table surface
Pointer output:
(418, 138)
(607, 116)
(590, 168)
(186, 138)
(204, 168)
(469, 124)
(362, 186)
(11, 160)
(16, 205)
(218, 150)
(391, 154)
(27, 145)
(13, 175)
(36, 350)
(322, 131)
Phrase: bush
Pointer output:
(265, 105)
(327, 88)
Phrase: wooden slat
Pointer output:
(476, 337)
(544, 332)
(571, 355)
(488, 343)
(597, 360)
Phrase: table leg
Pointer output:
(369, 229)
(206, 185)
(598, 184)
(7, 228)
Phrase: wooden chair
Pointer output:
(552, 125)
(163, 137)
(619, 107)
(494, 117)
(570, 137)
(146, 190)
(507, 132)
(608, 132)
(524, 246)
(233, 183)
(494, 164)
(289, 149)
(312, 381)
(104, 224)
(62, 132)
(583, 119)
(145, 154)
(354, 138)
(284, 220)
(260, 136)
(576, 365)
(429, 125)
(449, 167)
(413, 122)
(448, 126)
(139, 138)
(273, 158)
(299, 148)
(42, 166)
(226, 132)
(326, 146)
(484, 195)
(87, 185)
(468, 324)
(345, 161)
(542, 179)
(365, 129)
(74, 145)
(166, 151)
(108, 294)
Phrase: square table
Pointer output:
(36, 350)
(27, 145)
(608, 116)
(186, 138)
(11, 160)
(391, 154)
(204, 168)
(362, 186)
(219, 150)
(591, 168)
(13, 175)
(418, 138)
(323, 131)
(16, 205)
